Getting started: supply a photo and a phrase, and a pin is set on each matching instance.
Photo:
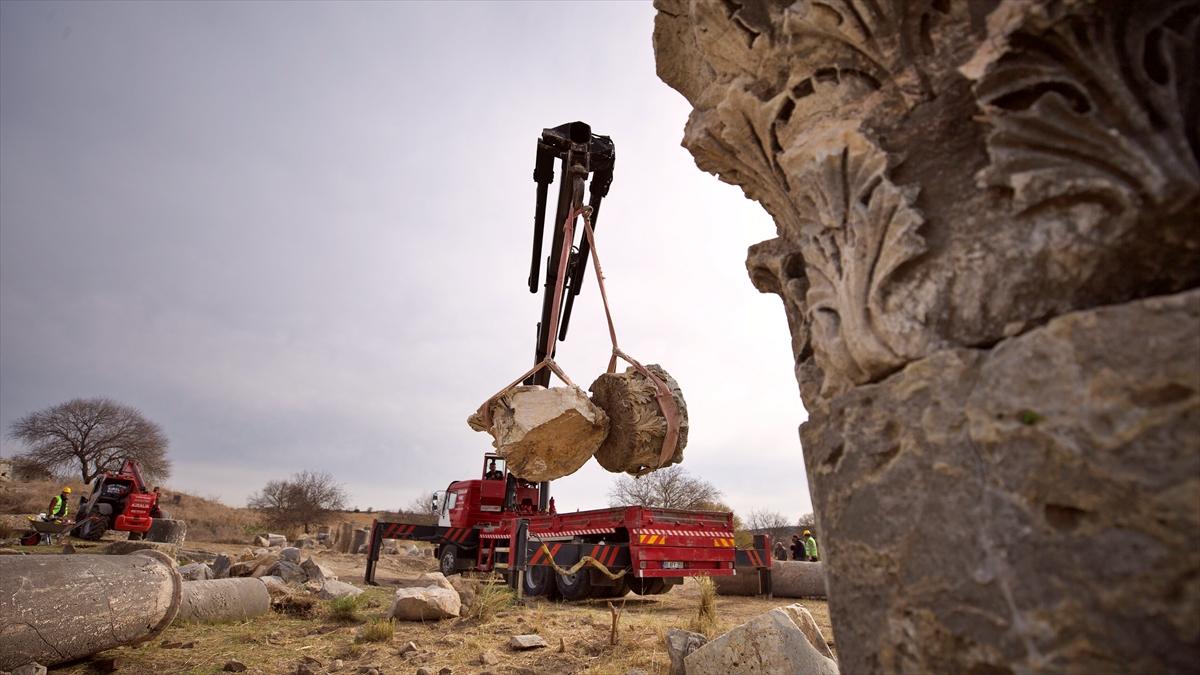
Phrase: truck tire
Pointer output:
(539, 582)
(448, 560)
(92, 528)
(648, 586)
(576, 586)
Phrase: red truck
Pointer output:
(499, 523)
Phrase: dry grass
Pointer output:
(490, 600)
(345, 609)
(379, 630)
(706, 609)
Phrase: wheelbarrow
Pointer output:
(46, 531)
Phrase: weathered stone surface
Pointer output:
(315, 571)
(467, 589)
(636, 425)
(423, 604)
(30, 669)
(680, 643)
(768, 643)
(126, 547)
(524, 642)
(276, 586)
(195, 572)
(808, 625)
(290, 554)
(220, 566)
(946, 178)
(332, 589)
(223, 600)
(167, 531)
(1008, 475)
(290, 572)
(360, 539)
(544, 434)
(58, 608)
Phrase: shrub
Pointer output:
(379, 630)
(345, 609)
(706, 608)
(489, 600)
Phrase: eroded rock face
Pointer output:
(544, 434)
(637, 426)
(987, 221)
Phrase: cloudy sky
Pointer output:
(296, 235)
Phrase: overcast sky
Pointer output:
(296, 235)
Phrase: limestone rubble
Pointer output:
(987, 244)
(544, 433)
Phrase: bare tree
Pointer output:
(767, 520)
(807, 520)
(672, 488)
(307, 498)
(92, 436)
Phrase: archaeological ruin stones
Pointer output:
(637, 427)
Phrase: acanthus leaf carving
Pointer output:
(1088, 107)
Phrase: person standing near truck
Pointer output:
(810, 547)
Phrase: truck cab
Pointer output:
(496, 494)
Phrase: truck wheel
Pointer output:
(539, 581)
(576, 586)
(648, 586)
(448, 561)
(92, 528)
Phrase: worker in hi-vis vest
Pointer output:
(810, 547)
(58, 505)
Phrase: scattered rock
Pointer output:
(220, 566)
(424, 671)
(768, 643)
(467, 589)
(421, 604)
(680, 643)
(407, 648)
(168, 644)
(333, 589)
(637, 427)
(167, 531)
(289, 571)
(270, 540)
(234, 666)
(336, 665)
(524, 642)
(275, 585)
(808, 625)
(488, 658)
(446, 671)
(426, 580)
(30, 669)
(195, 572)
(543, 433)
(68, 549)
(317, 572)
(110, 664)
(290, 554)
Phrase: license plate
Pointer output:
(669, 565)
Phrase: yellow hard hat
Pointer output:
(806, 533)
(67, 490)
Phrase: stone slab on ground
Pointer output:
(525, 642)
(679, 644)
(167, 530)
(544, 433)
(637, 427)
(195, 572)
(767, 644)
(332, 589)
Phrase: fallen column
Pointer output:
(56, 608)
(544, 434)
(789, 579)
(223, 600)
(637, 425)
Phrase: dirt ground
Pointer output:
(577, 633)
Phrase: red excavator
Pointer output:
(119, 501)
